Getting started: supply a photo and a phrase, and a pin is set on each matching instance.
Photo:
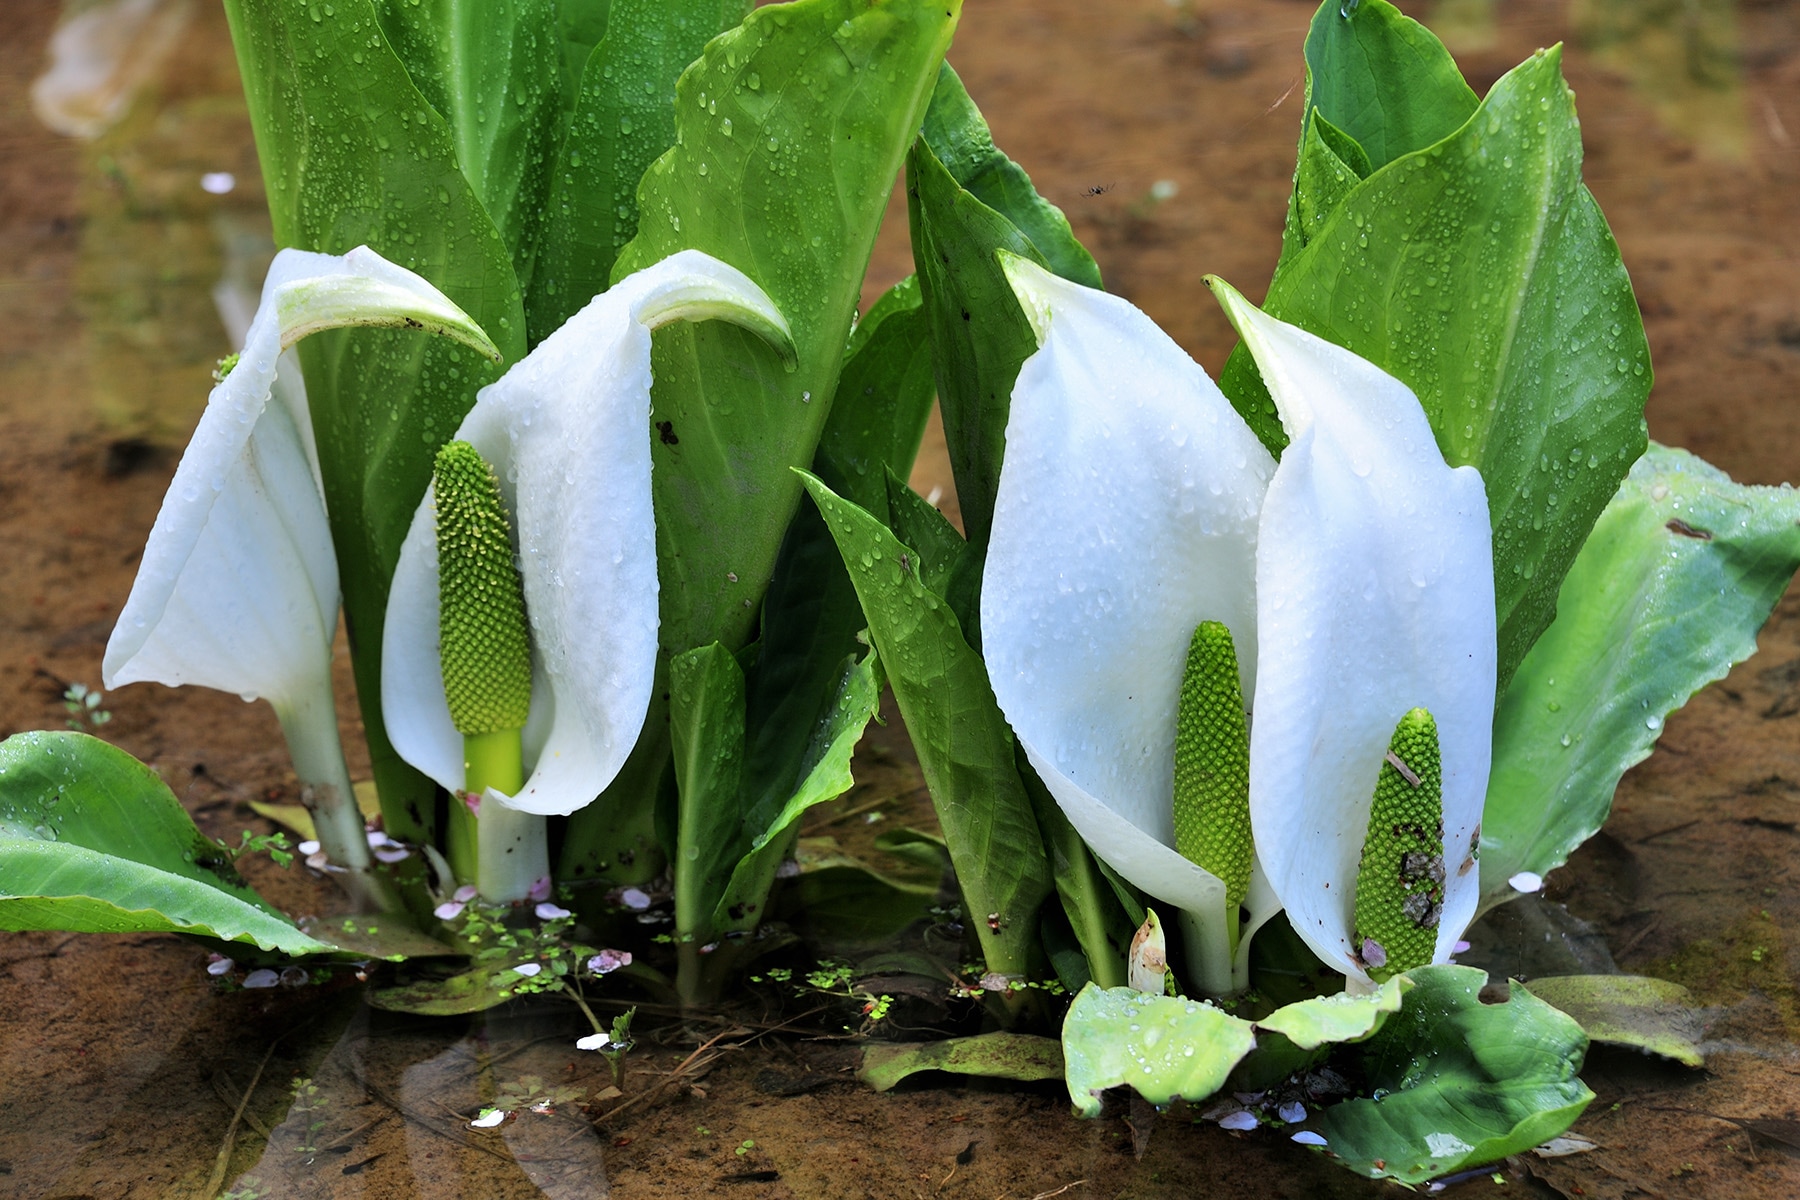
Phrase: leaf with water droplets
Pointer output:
(1163, 1046)
(1667, 594)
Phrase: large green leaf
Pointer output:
(352, 153)
(964, 745)
(1676, 578)
(965, 201)
(624, 118)
(1460, 1083)
(789, 133)
(92, 840)
(487, 68)
(1481, 273)
(580, 24)
(1163, 1046)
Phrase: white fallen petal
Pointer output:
(465, 893)
(635, 899)
(262, 977)
(1375, 595)
(489, 1118)
(1292, 1112)
(1126, 514)
(449, 910)
(308, 848)
(1240, 1121)
(566, 430)
(529, 969)
(220, 966)
(1526, 882)
(1307, 1137)
(551, 912)
(593, 1041)
(608, 961)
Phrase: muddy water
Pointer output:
(122, 1073)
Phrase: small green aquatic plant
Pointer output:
(565, 326)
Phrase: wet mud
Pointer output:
(125, 1073)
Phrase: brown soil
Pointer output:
(123, 1067)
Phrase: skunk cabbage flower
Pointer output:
(238, 589)
(567, 433)
(1137, 511)
(1126, 515)
(1375, 597)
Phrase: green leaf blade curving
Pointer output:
(965, 201)
(965, 747)
(1163, 1046)
(1463, 1083)
(789, 132)
(1668, 593)
(93, 841)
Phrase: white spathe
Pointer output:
(238, 589)
(567, 431)
(1375, 595)
(1126, 514)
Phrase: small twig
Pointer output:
(1059, 1191)
(1406, 772)
(860, 809)
(220, 1164)
(226, 1091)
(350, 1137)
(1651, 837)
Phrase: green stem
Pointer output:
(310, 726)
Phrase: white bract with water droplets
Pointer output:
(1126, 514)
(238, 589)
(1375, 595)
(1356, 578)
(567, 432)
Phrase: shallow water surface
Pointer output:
(1165, 129)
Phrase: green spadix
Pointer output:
(1212, 765)
(1400, 884)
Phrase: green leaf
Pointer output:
(883, 398)
(810, 616)
(1383, 79)
(381, 171)
(623, 119)
(1019, 1056)
(93, 841)
(1341, 1017)
(481, 65)
(824, 775)
(1331, 165)
(1460, 1082)
(789, 133)
(965, 201)
(1099, 922)
(1677, 577)
(1163, 1046)
(964, 745)
(1652, 1015)
(1480, 272)
(706, 721)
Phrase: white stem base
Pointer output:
(513, 852)
(310, 725)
